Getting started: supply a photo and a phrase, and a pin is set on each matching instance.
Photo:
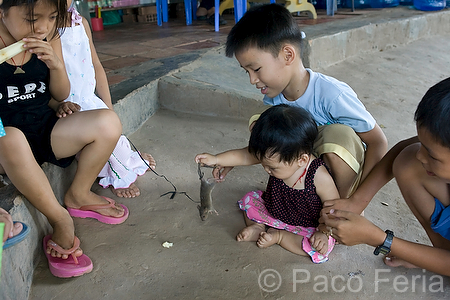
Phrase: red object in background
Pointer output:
(97, 24)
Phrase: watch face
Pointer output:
(386, 247)
(385, 250)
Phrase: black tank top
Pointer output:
(24, 97)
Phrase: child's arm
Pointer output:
(375, 180)
(352, 229)
(327, 190)
(102, 86)
(51, 54)
(230, 158)
(376, 147)
(325, 186)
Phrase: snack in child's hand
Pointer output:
(11, 51)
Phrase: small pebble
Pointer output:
(167, 245)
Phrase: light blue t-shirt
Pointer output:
(330, 101)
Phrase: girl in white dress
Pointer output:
(87, 76)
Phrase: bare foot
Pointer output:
(394, 262)
(17, 228)
(77, 201)
(250, 233)
(63, 235)
(269, 238)
(319, 241)
(133, 191)
(11, 229)
(130, 192)
(151, 160)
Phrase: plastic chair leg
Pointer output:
(240, 6)
(165, 10)
(216, 15)
(158, 12)
(188, 11)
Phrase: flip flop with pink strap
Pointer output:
(73, 266)
(87, 212)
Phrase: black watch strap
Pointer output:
(386, 247)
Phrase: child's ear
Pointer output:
(303, 160)
(288, 53)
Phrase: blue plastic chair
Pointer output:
(162, 11)
(190, 7)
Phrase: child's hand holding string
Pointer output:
(206, 159)
(210, 160)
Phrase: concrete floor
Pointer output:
(205, 261)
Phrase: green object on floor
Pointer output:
(111, 17)
(2, 227)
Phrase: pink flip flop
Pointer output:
(86, 212)
(72, 266)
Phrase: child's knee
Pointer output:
(14, 140)
(109, 124)
(14, 145)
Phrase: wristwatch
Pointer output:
(386, 247)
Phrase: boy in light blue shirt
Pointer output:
(266, 42)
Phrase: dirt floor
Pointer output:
(205, 261)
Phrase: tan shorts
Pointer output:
(343, 141)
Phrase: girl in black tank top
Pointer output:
(35, 135)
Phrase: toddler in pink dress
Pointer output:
(288, 212)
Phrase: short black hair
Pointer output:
(60, 6)
(285, 130)
(266, 27)
(433, 112)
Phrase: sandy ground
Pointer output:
(205, 261)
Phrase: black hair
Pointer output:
(60, 5)
(266, 27)
(433, 112)
(285, 130)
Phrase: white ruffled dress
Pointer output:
(124, 165)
